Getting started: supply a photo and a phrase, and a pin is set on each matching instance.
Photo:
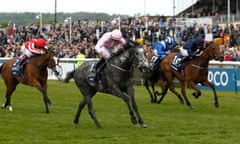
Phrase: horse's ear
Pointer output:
(129, 44)
(52, 50)
(209, 43)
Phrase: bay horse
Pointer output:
(34, 74)
(194, 72)
(115, 79)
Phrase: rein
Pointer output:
(40, 66)
(206, 55)
(119, 68)
(199, 67)
(128, 57)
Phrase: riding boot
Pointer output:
(20, 62)
(154, 62)
(183, 60)
(92, 75)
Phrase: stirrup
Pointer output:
(92, 78)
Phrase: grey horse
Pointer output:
(116, 79)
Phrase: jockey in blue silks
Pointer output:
(191, 48)
(161, 49)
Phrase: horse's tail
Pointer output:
(69, 76)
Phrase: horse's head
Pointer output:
(214, 51)
(138, 54)
(53, 63)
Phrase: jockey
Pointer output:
(30, 48)
(108, 44)
(192, 47)
(161, 49)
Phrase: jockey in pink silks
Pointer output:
(108, 44)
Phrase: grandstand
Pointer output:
(201, 8)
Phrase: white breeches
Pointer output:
(108, 51)
(183, 52)
(26, 52)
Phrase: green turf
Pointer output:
(168, 122)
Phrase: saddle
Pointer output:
(94, 76)
(16, 69)
(177, 63)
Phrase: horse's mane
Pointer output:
(208, 43)
(129, 44)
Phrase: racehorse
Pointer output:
(194, 72)
(154, 76)
(34, 74)
(150, 78)
(115, 79)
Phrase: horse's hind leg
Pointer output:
(91, 111)
(152, 96)
(171, 87)
(10, 90)
(80, 108)
(86, 100)
(164, 92)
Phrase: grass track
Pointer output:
(168, 122)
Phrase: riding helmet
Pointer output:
(169, 40)
(41, 43)
(116, 34)
(199, 41)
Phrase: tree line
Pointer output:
(25, 18)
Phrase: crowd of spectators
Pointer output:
(85, 34)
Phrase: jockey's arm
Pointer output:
(200, 53)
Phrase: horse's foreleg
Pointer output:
(183, 90)
(117, 92)
(172, 87)
(46, 100)
(134, 105)
(209, 84)
(197, 92)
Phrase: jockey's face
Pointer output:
(39, 47)
(199, 46)
(115, 41)
(168, 45)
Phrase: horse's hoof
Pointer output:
(143, 125)
(134, 121)
(181, 101)
(195, 95)
(191, 107)
(50, 104)
(153, 101)
(76, 121)
(10, 108)
(159, 101)
(157, 93)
